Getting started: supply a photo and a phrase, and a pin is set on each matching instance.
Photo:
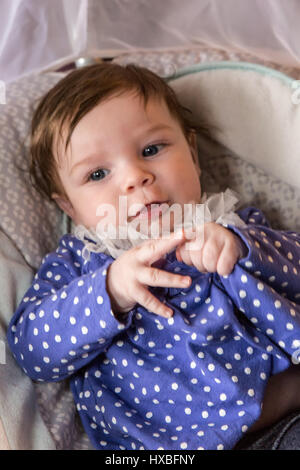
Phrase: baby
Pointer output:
(170, 344)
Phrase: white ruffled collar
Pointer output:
(217, 208)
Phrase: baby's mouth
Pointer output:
(151, 210)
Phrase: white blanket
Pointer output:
(21, 425)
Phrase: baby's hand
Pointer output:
(219, 250)
(130, 274)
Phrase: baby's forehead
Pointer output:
(134, 111)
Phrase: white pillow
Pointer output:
(252, 111)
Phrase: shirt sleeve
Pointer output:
(264, 285)
(65, 319)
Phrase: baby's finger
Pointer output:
(227, 260)
(155, 249)
(183, 255)
(158, 278)
(210, 255)
(152, 304)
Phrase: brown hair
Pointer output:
(77, 94)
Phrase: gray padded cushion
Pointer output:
(34, 224)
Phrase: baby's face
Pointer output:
(122, 148)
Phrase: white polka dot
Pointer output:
(56, 314)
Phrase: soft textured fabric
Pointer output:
(193, 381)
(22, 427)
(283, 435)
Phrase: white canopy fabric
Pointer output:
(38, 34)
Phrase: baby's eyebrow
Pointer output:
(157, 127)
(84, 162)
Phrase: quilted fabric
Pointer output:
(32, 223)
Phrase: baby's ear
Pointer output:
(64, 204)
(192, 140)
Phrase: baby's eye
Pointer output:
(97, 175)
(152, 150)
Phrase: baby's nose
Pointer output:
(136, 177)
